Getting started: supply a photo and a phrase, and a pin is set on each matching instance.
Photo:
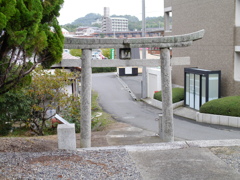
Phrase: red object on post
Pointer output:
(55, 122)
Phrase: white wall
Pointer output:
(153, 81)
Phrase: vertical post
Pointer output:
(144, 70)
(167, 117)
(86, 88)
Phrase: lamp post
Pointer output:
(144, 70)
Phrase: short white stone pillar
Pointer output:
(66, 136)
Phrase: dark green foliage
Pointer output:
(158, 95)
(14, 106)
(103, 69)
(5, 128)
(228, 106)
(154, 22)
(30, 35)
(177, 95)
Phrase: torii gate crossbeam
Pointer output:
(164, 43)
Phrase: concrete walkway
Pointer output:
(182, 160)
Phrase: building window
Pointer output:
(237, 63)
(168, 19)
(237, 18)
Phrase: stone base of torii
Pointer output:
(166, 128)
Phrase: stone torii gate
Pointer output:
(166, 131)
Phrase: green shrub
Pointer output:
(158, 95)
(228, 106)
(103, 69)
(177, 95)
(5, 128)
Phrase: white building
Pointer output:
(65, 32)
(106, 21)
(113, 24)
(98, 21)
(119, 24)
(86, 31)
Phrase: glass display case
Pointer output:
(200, 86)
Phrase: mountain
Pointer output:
(87, 20)
(129, 17)
(133, 22)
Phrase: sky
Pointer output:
(74, 9)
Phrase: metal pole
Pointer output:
(167, 116)
(144, 70)
(86, 88)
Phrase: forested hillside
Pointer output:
(133, 22)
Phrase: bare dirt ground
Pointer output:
(49, 143)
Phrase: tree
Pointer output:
(15, 106)
(29, 35)
(76, 52)
(47, 92)
(70, 27)
(106, 52)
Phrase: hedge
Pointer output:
(177, 95)
(227, 106)
(103, 69)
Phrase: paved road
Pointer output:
(116, 100)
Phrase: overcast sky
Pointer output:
(73, 9)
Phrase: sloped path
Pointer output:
(116, 100)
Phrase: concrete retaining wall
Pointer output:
(218, 119)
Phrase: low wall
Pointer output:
(218, 119)
(158, 104)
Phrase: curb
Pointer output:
(127, 88)
(169, 145)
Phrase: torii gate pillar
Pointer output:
(166, 131)
(86, 89)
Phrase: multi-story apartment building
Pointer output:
(119, 24)
(220, 47)
(113, 24)
(106, 21)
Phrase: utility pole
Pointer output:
(144, 70)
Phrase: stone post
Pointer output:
(66, 136)
(167, 116)
(86, 88)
